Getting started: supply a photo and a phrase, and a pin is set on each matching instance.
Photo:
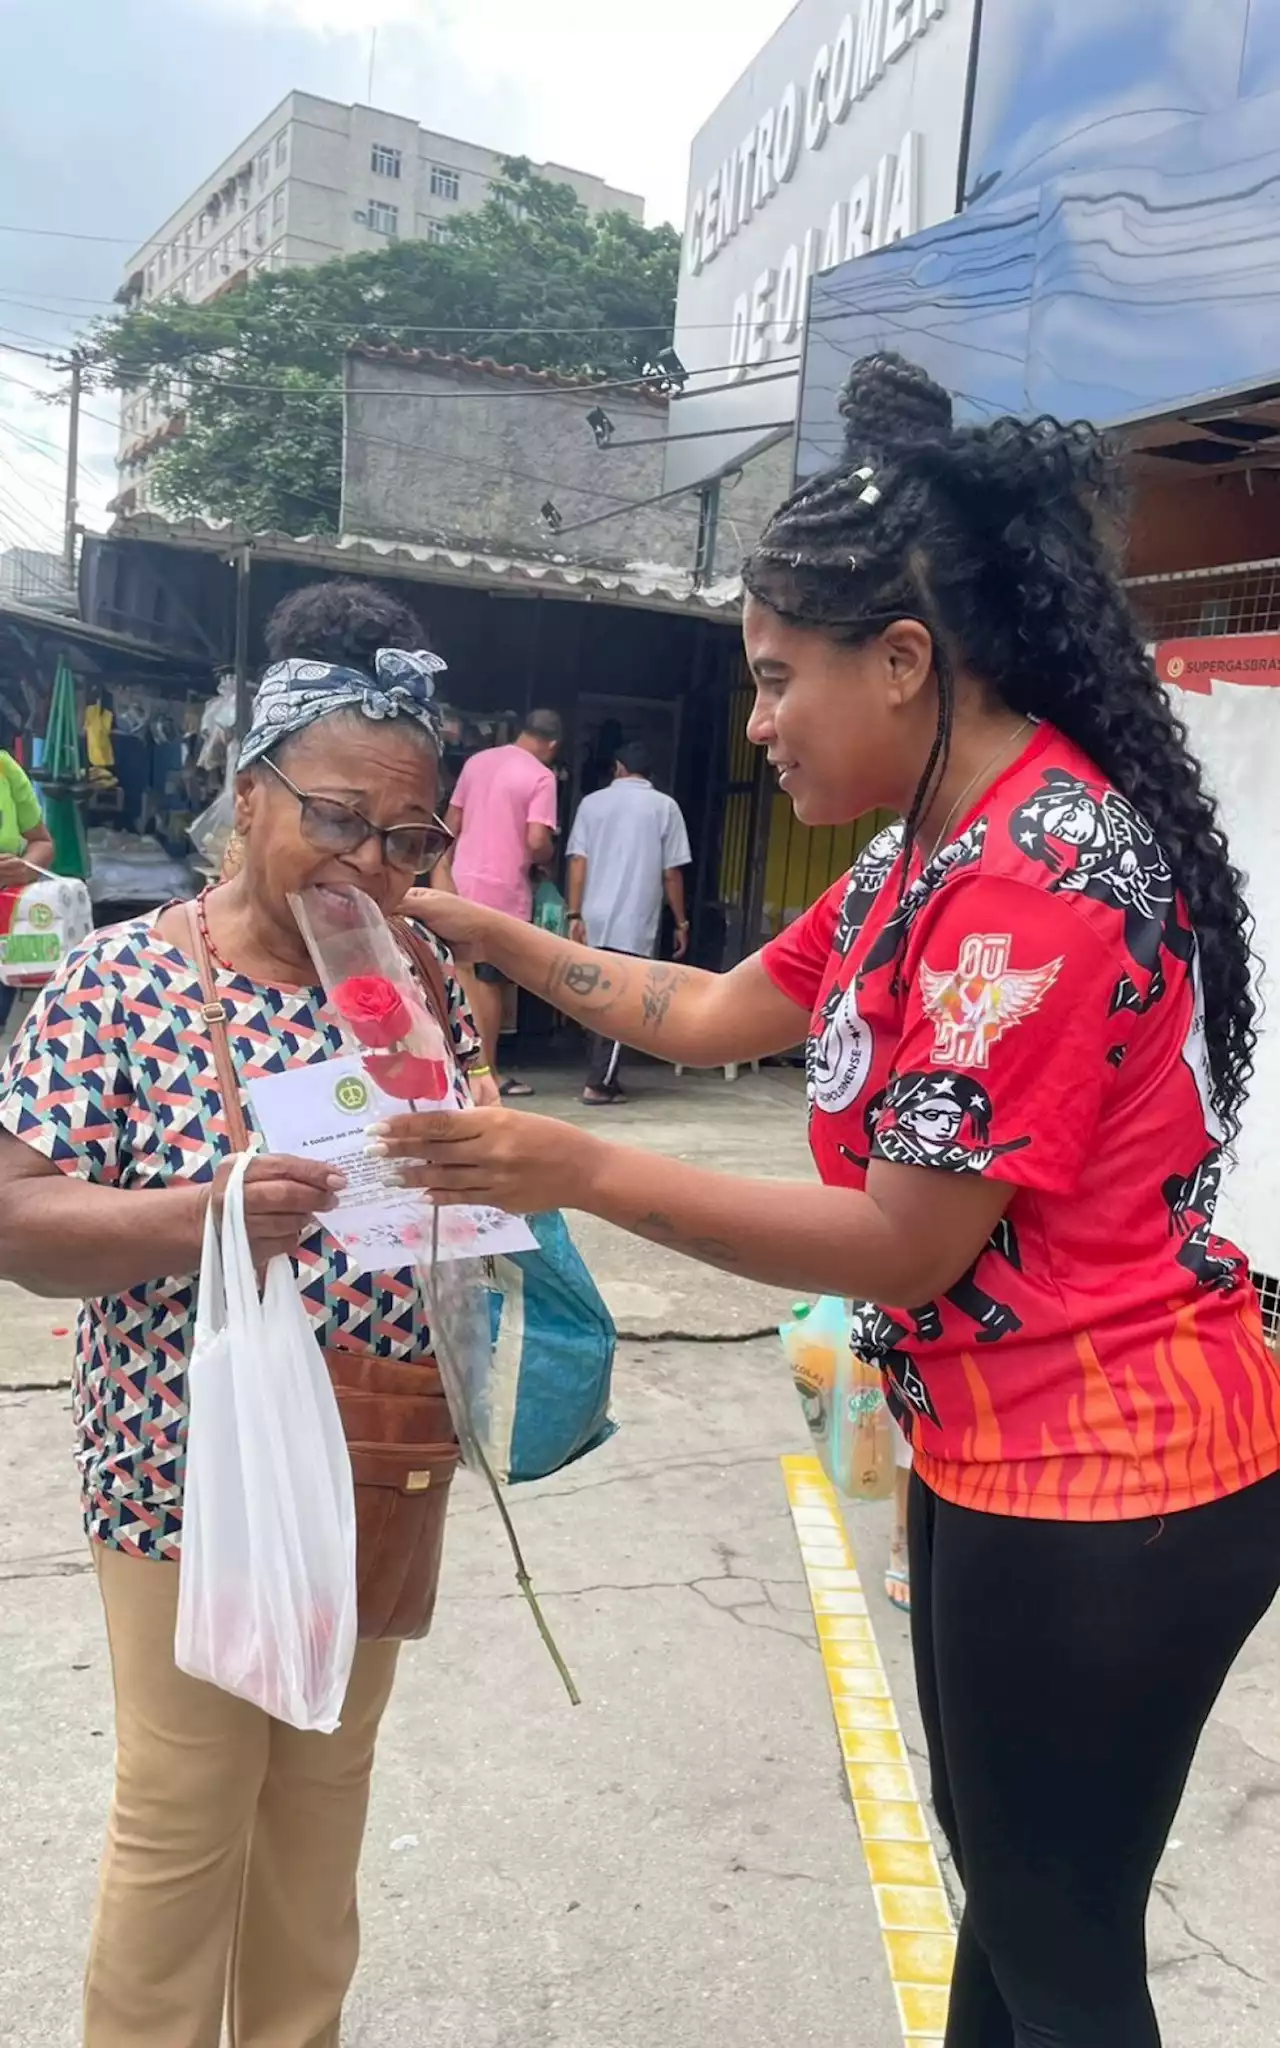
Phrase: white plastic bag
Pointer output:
(267, 1590)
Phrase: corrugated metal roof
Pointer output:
(643, 585)
(55, 626)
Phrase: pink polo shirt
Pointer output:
(500, 794)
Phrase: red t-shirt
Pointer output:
(1029, 1010)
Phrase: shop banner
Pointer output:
(1222, 693)
(1252, 659)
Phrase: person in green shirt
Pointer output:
(24, 836)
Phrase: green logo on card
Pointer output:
(352, 1095)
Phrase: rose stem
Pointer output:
(523, 1580)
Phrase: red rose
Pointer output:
(374, 1008)
(409, 1077)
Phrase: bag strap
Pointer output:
(425, 962)
(215, 1019)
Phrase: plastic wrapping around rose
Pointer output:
(408, 1076)
(376, 1011)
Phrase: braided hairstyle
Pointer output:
(990, 537)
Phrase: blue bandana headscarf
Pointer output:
(294, 694)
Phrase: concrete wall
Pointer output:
(436, 454)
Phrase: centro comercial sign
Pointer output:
(843, 136)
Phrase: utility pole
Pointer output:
(73, 468)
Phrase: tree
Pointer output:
(256, 374)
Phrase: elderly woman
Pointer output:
(230, 1869)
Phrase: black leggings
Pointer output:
(1066, 1670)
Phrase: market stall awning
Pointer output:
(115, 650)
(646, 586)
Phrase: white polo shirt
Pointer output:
(629, 835)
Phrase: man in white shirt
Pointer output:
(627, 850)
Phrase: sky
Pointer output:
(110, 114)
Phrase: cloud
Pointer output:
(618, 92)
(339, 17)
(105, 131)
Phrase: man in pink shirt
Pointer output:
(504, 814)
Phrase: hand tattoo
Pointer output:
(712, 1251)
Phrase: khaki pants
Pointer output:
(230, 1870)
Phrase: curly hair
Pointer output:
(344, 622)
(991, 537)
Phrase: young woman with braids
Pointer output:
(1030, 1032)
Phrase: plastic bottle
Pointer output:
(843, 1400)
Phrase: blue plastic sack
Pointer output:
(552, 1371)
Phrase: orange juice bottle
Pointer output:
(812, 1356)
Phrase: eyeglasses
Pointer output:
(333, 827)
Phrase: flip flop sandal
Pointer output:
(516, 1090)
(897, 1586)
(604, 1101)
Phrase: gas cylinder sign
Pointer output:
(1249, 658)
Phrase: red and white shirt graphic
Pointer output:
(1026, 1007)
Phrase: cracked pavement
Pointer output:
(673, 1865)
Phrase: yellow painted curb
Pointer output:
(914, 1911)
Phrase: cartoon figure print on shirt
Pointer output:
(939, 1120)
(1096, 844)
(962, 852)
(840, 1048)
(870, 872)
(878, 1336)
(1192, 1198)
(936, 1119)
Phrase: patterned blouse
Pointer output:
(112, 1078)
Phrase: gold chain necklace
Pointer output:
(987, 768)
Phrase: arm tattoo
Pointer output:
(712, 1251)
(661, 986)
(582, 980)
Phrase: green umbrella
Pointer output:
(65, 784)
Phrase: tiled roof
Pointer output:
(510, 373)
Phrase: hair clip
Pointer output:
(871, 496)
(853, 561)
(863, 476)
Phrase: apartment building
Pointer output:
(314, 180)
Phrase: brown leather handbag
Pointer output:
(394, 1415)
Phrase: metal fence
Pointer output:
(1201, 603)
